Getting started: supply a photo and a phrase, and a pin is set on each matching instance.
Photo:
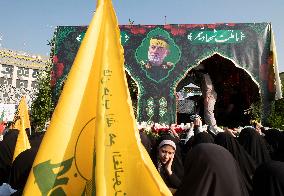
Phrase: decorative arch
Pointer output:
(248, 45)
(250, 93)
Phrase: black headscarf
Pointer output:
(21, 168)
(245, 161)
(280, 154)
(22, 165)
(255, 145)
(272, 137)
(202, 137)
(36, 138)
(269, 179)
(198, 138)
(211, 170)
(7, 147)
(146, 141)
(275, 139)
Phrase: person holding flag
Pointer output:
(15, 142)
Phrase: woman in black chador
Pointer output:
(269, 179)
(255, 145)
(211, 170)
(168, 161)
(245, 161)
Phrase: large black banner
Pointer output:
(158, 57)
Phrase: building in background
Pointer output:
(18, 77)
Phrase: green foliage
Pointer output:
(282, 79)
(42, 107)
(276, 119)
(255, 111)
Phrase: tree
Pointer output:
(42, 108)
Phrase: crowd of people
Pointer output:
(244, 162)
(14, 173)
(198, 162)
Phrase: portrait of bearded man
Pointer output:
(157, 52)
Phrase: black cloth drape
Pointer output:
(275, 139)
(202, 137)
(211, 170)
(245, 161)
(22, 165)
(255, 145)
(7, 147)
(198, 138)
(21, 168)
(269, 179)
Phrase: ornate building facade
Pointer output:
(18, 76)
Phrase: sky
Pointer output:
(28, 25)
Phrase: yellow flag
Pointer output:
(95, 103)
(123, 166)
(23, 112)
(21, 122)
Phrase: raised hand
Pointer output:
(169, 165)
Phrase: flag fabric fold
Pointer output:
(21, 122)
(277, 80)
(123, 166)
(92, 145)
